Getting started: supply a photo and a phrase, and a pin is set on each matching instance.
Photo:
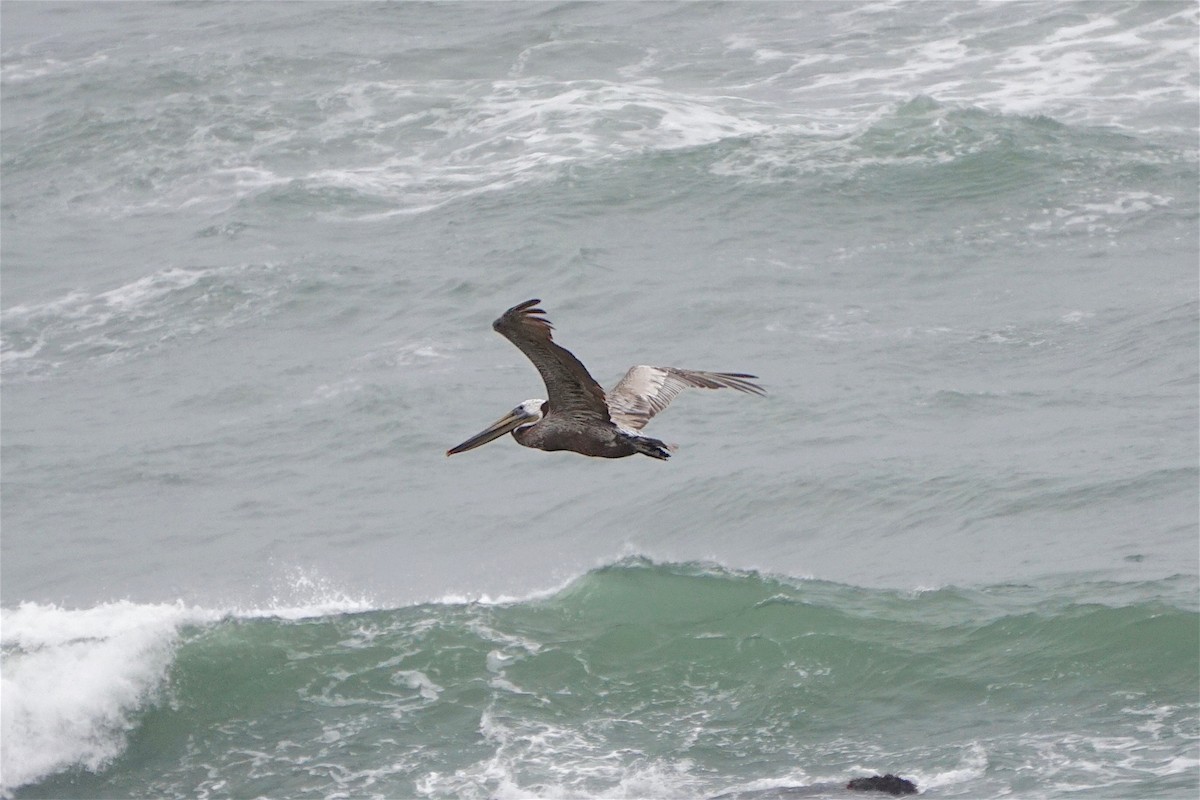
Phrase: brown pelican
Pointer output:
(578, 416)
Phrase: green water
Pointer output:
(679, 680)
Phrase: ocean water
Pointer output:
(250, 257)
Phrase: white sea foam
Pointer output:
(499, 134)
(1089, 72)
(1074, 762)
(797, 777)
(484, 599)
(404, 353)
(412, 146)
(545, 760)
(21, 70)
(134, 317)
(72, 680)
(971, 767)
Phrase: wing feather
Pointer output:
(645, 391)
(570, 389)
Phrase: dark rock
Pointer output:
(891, 784)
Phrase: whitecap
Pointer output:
(75, 678)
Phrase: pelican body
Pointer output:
(579, 416)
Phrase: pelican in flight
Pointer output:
(578, 415)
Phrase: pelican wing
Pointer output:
(570, 389)
(645, 391)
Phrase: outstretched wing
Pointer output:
(645, 391)
(569, 387)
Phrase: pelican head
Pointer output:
(524, 415)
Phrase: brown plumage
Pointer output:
(577, 415)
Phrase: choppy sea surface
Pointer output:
(250, 257)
